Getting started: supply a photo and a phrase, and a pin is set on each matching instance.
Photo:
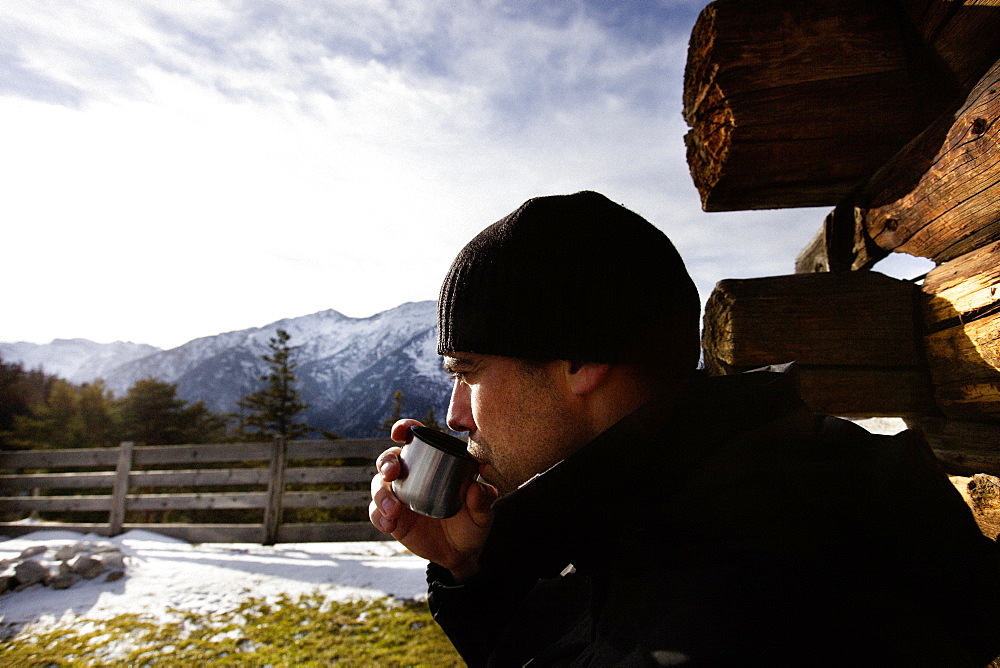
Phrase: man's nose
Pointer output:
(460, 408)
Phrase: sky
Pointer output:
(173, 169)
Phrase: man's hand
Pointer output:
(454, 543)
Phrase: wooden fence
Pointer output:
(258, 479)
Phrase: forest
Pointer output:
(39, 411)
(42, 411)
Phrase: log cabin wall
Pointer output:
(796, 102)
(923, 181)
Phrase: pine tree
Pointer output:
(397, 412)
(431, 421)
(52, 423)
(149, 413)
(201, 425)
(274, 409)
(95, 403)
(70, 416)
(21, 391)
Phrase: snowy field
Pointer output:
(165, 573)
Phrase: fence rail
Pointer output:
(129, 469)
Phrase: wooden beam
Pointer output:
(187, 478)
(119, 490)
(962, 317)
(961, 35)
(964, 448)
(275, 491)
(794, 104)
(59, 459)
(845, 319)
(153, 455)
(853, 335)
(939, 197)
(57, 480)
(188, 501)
(116, 485)
(74, 504)
(323, 533)
(862, 392)
(18, 529)
(842, 244)
(219, 533)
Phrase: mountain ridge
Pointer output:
(348, 368)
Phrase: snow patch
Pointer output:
(166, 573)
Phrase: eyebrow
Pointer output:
(454, 364)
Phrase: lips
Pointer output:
(484, 463)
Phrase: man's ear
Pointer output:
(584, 377)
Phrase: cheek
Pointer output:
(493, 411)
(482, 409)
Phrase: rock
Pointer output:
(29, 572)
(984, 491)
(64, 580)
(88, 567)
(66, 552)
(32, 551)
(55, 571)
(98, 547)
(71, 563)
(112, 560)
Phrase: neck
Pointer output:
(624, 391)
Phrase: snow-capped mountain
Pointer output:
(348, 368)
(76, 360)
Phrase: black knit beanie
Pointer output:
(573, 277)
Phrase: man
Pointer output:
(631, 511)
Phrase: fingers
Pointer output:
(479, 500)
(401, 430)
(388, 465)
(380, 521)
(385, 508)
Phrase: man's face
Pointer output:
(518, 417)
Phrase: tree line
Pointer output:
(40, 410)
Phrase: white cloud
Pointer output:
(180, 169)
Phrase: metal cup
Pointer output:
(434, 468)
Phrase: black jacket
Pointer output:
(738, 530)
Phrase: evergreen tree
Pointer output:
(431, 421)
(70, 417)
(50, 424)
(152, 414)
(20, 392)
(201, 425)
(89, 416)
(97, 423)
(275, 408)
(397, 412)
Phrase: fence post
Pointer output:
(119, 492)
(275, 491)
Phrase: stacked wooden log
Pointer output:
(927, 186)
(852, 335)
(795, 102)
(939, 198)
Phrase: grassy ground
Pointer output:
(308, 631)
